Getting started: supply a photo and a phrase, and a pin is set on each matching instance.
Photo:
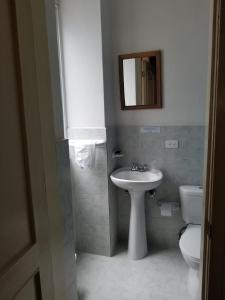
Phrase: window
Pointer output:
(61, 65)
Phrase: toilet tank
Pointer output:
(191, 203)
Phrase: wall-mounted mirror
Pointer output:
(140, 80)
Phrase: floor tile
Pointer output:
(162, 275)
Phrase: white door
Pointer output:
(30, 255)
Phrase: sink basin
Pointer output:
(126, 179)
(137, 183)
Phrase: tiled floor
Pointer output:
(162, 275)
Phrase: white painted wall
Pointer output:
(82, 48)
(54, 68)
(180, 28)
(108, 62)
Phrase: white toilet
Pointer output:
(190, 241)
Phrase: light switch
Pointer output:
(172, 144)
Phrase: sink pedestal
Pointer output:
(137, 183)
(137, 246)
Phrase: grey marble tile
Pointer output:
(113, 217)
(113, 204)
(62, 149)
(182, 166)
(99, 203)
(91, 205)
(91, 180)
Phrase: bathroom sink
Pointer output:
(137, 183)
(126, 179)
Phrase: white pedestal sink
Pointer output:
(137, 183)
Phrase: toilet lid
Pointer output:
(190, 242)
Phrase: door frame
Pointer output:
(213, 283)
(48, 96)
(213, 268)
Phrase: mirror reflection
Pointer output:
(140, 81)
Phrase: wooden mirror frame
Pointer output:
(122, 57)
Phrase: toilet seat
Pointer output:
(190, 242)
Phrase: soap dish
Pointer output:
(117, 154)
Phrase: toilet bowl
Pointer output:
(190, 244)
(190, 241)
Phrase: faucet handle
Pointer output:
(143, 168)
(134, 167)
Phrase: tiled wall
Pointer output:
(67, 215)
(112, 190)
(102, 211)
(91, 207)
(95, 211)
(180, 167)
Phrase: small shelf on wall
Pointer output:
(100, 143)
(117, 154)
(97, 143)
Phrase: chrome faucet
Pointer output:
(143, 168)
(139, 168)
(134, 167)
